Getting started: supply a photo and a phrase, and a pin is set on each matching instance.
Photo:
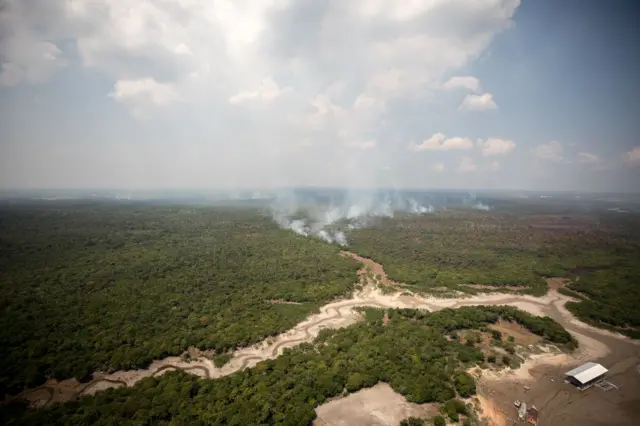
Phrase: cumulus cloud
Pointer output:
(350, 69)
(493, 166)
(478, 102)
(28, 60)
(439, 167)
(588, 158)
(464, 82)
(496, 146)
(369, 144)
(467, 165)
(143, 93)
(551, 151)
(438, 142)
(268, 91)
(633, 157)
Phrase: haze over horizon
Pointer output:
(435, 94)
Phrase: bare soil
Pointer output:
(379, 405)
(521, 335)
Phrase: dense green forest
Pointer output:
(501, 249)
(415, 353)
(108, 286)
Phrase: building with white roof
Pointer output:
(586, 375)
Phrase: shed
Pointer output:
(586, 375)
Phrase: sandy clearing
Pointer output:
(379, 405)
(339, 314)
(491, 412)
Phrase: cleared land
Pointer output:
(379, 405)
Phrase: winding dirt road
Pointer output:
(594, 343)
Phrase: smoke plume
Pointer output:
(327, 216)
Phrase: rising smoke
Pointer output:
(327, 216)
(481, 206)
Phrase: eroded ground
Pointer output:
(379, 405)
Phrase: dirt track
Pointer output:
(595, 344)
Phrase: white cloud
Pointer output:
(493, 166)
(363, 144)
(497, 146)
(268, 91)
(633, 157)
(438, 142)
(465, 82)
(439, 167)
(588, 158)
(26, 60)
(205, 58)
(144, 93)
(551, 151)
(478, 102)
(467, 165)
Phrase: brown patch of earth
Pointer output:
(521, 335)
(490, 412)
(379, 405)
(375, 268)
(556, 283)
(561, 404)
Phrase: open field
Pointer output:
(376, 406)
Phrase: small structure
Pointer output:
(586, 375)
(532, 415)
(522, 410)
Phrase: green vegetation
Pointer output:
(411, 353)
(453, 408)
(439, 421)
(220, 360)
(412, 421)
(108, 286)
(465, 385)
(503, 248)
(448, 249)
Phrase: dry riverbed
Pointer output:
(594, 344)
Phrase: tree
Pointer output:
(465, 385)
(439, 421)
(412, 421)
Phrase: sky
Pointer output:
(434, 94)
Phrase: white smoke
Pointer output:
(475, 203)
(480, 206)
(352, 210)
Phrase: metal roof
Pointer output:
(587, 372)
